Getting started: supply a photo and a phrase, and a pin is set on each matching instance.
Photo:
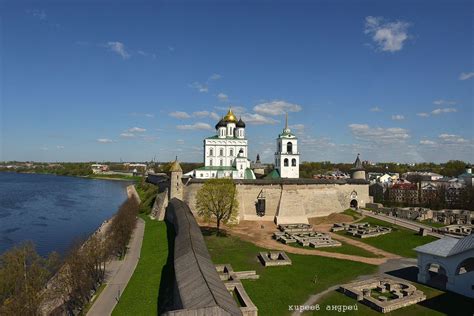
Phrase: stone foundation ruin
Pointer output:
(303, 235)
(383, 294)
(274, 258)
(361, 230)
(234, 286)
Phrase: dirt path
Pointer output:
(260, 234)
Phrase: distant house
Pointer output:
(99, 168)
(404, 193)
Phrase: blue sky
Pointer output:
(111, 80)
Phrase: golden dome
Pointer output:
(230, 117)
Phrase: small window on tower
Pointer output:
(293, 162)
(211, 152)
(210, 162)
(221, 152)
(285, 162)
(231, 152)
(222, 162)
(289, 147)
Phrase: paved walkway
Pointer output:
(118, 275)
(403, 222)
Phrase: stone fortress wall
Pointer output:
(290, 200)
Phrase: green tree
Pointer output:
(218, 199)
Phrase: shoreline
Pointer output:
(75, 176)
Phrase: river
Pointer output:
(54, 211)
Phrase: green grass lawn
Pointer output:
(400, 241)
(429, 222)
(346, 248)
(141, 294)
(279, 287)
(437, 303)
(352, 213)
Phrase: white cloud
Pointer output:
(136, 130)
(375, 109)
(201, 114)
(44, 148)
(127, 135)
(199, 86)
(257, 119)
(378, 134)
(59, 147)
(180, 141)
(104, 140)
(444, 102)
(388, 36)
(277, 107)
(215, 77)
(214, 116)
(222, 97)
(466, 75)
(423, 114)
(443, 110)
(180, 115)
(298, 127)
(427, 142)
(195, 126)
(40, 14)
(452, 139)
(118, 48)
(398, 117)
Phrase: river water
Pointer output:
(54, 211)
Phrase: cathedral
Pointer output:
(225, 154)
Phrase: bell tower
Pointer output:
(287, 157)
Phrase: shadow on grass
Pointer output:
(165, 294)
(212, 231)
(448, 303)
(408, 273)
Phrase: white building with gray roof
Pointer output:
(448, 263)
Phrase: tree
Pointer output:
(23, 276)
(217, 199)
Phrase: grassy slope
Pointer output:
(279, 287)
(345, 248)
(437, 303)
(141, 294)
(400, 241)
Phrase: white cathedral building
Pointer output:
(225, 154)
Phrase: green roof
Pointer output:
(216, 168)
(273, 175)
(249, 174)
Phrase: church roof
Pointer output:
(221, 123)
(240, 123)
(273, 175)
(175, 166)
(447, 246)
(249, 174)
(230, 117)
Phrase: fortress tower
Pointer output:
(176, 185)
(358, 171)
(287, 157)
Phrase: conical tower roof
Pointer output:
(175, 166)
(357, 164)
